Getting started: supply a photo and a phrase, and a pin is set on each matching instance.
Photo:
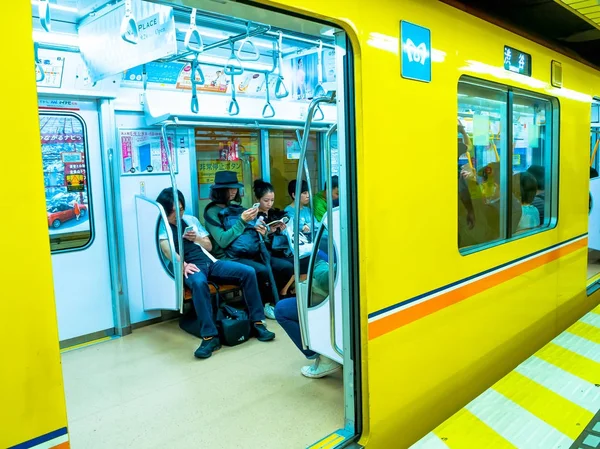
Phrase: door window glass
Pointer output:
(284, 151)
(66, 183)
(223, 149)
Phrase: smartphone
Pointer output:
(255, 205)
(188, 229)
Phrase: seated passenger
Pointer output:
(306, 217)
(530, 217)
(286, 312)
(199, 267)
(236, 235)
(539, 201)
(320, 199)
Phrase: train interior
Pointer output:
(593, 272)
(138, 96)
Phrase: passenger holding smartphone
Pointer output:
(237, 234)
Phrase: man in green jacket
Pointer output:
(320, 199)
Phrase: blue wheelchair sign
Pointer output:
(415, 44)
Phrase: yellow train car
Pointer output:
(453, 268)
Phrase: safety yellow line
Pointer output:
(571, 362)
(547, 405)
(328, 442)
(83, 345)
(465, 431)
(586, 331)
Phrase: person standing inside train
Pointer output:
(199, 267)
(235, 236)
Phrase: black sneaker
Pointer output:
(207, 347)
(262, 333)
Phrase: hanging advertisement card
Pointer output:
(143, 152)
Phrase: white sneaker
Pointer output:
(269, 311)
(321, 368)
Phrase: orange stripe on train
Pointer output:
(410, 314)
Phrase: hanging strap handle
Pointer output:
(268, 111)
(193, 34)
(234, 107)
(249, 47)
(39, 77)
(321, 115)
(129, 27)
(44, 13)
(280, 88)
(233, 66)
(196, 70)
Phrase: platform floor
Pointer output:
(550, 401)
(147, 391)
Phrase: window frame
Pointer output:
(88, 184)
(507, 164)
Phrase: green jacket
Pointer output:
(320, 206)
(219, 237)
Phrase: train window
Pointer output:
(532, 160)
(227, 149)
(482, 124)
(284, 151)
(64, 158)
(505, 174)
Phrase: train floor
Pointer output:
(550, 401)
(147, 390)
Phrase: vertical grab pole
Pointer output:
(310, 193)
(330, 248)
(302, 307)
(177, 264)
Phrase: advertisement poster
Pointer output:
(65, 174)
(53, 72)
(214, 79)
(292, 149)
(143, 152)
(303, 71)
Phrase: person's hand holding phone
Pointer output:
(190, 234)
(249, 214)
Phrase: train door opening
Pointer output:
(593, 270)
(260, 93)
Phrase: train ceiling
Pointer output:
(569, 26)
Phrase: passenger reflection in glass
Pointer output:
(200, 267)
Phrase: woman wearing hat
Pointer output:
(232, 227)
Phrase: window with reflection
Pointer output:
(284, 151)
(64, 159)
(319, 287)
(506, 174)
(235, 150)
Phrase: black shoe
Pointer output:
(207, 347)
(262, 333)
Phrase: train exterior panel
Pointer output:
(31, 384)
(420, 365)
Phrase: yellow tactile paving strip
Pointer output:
(545, 403)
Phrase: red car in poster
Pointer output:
(61, 213)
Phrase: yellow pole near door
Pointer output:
(31, 385)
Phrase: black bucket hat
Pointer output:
(226, 180)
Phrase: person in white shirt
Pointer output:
(199, 267)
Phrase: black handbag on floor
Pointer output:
(233, 324)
